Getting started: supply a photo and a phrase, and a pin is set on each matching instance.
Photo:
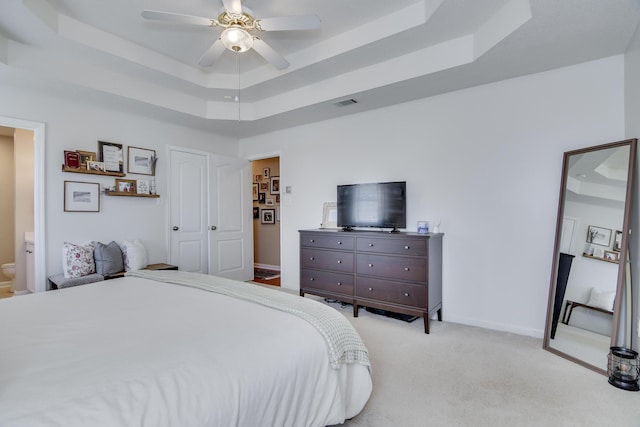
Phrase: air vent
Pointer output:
(346, 102)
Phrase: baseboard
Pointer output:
(267, 266)
(23, 292)
(535, 333)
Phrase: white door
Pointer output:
(231, 219)
(189, 211)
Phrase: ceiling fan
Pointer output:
(238, 23)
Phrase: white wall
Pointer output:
(486, 160)
(77, 125)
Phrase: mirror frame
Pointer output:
(624, 253)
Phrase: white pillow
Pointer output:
(77, 260)
(134, 254)
(602, 300)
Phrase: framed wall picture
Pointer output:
(265, 173)
(261, 197)
(95, 166)
(126, 186)
(256, 213)
(81, 196)
(254, 192)
(111, 154)
(599, 236)
(141, 161)
(86, 156)
(71, 159)
(264, 187)
(612, 256)
(269, 202)
(275, 185)
(268, 216)
(142, 186)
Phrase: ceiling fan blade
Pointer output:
(176, 17)
(209, 57)
(233, 6)
(287, 23)
(269, 54)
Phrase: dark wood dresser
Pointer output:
(397, 272)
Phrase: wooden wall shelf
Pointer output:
(90, 172)
(118, 193)
(601, 259)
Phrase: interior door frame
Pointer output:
(263, 156)
(39, 217)
(168, 225)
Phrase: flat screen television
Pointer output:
(381, 205)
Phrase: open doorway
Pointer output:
(29, 243)
(266, 220)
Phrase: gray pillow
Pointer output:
(108, 258)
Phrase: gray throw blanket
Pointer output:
(343, 342)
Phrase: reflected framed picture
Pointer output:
(599, 236)
(141, 161)
(268, 216)
(256, 213)
(81, 196)
(611, 256)
(261, 197)
(617, 241)
(254, 192)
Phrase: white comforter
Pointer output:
(134, 352)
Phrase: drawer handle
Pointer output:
(406, 294)
(312, 241)
(339, 262)
(406, 269)
(370, 245)
(407, 247)
(339, 283)
(311, 279)
(370, 265)
(339, 243)
(371, 289)
(312, 258)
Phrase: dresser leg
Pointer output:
(355, 309)
(439, 315)
(426, 323)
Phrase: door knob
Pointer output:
(213, 227)
(176, 228)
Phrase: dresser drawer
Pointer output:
(326, 281)
(393, 292)
(329, 241)
(392, 267)
(411, 247)
(326, 260)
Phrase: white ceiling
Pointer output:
(377, 52)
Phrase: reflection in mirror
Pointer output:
(591, 236)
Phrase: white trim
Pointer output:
(23, 292)
(267, 266)
(39, 189)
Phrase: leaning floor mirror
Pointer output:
(589, 300)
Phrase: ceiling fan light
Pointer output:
(236, 39)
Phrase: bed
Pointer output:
(177, 349)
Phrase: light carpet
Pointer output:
(465, 376)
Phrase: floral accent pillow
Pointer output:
(77, 260)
